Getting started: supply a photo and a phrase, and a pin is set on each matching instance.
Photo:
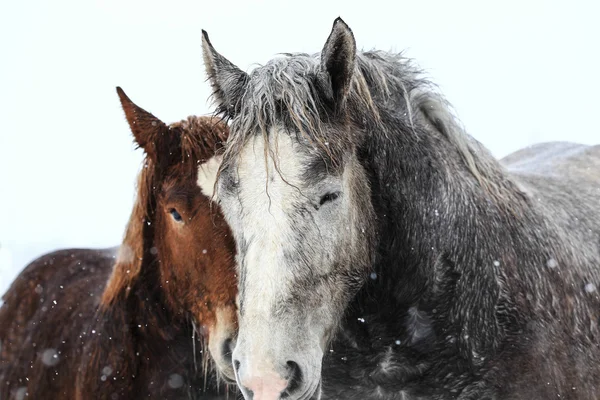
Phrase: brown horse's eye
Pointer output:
(176, 216)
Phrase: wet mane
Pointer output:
(288, 91)
(201, 139)
(196, 140)
(131, 252)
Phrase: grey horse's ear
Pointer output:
(227, 80)
(338, 59)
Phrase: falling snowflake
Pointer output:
(175, 381)
(590, 287)
(50, 357)
(20, 393)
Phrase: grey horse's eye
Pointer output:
(329, 197)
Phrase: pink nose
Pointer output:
(265, 387)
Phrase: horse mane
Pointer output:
(287, 89)
(201, 138)
(128, 264)
(438, 114)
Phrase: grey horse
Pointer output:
(385, 254)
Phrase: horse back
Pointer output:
(43, 319)
(562, 181)
(558, 160)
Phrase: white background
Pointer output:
(517, 71)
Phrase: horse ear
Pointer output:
(146, 128)
(338, 59)
(227, 80)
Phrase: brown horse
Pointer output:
(133, 323)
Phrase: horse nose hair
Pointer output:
(270, 385)
(236, 366)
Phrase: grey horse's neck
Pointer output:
(468, 269)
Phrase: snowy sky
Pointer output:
(517, 71)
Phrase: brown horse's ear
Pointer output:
(227, 80)
(338, 59)
(146, 128)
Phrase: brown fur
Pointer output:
(97, 324)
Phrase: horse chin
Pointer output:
(224, 369)
(225, 372)
(225, 377)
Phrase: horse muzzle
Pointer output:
(286, 381)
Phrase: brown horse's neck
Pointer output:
(133, 296)
(139, 337)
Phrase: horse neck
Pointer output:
(137, 297)
(440, 231)
(147, 308)
(149, 340)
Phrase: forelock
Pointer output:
(201, 137)
(290, 93)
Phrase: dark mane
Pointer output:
(290, 89)
(203, 137)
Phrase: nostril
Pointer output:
(294, 378)
(227, 350)
(236, 366)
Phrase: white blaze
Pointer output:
(267, 196)
(207, 175)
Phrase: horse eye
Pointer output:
(329, 197)
(176, 216)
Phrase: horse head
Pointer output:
(176, 235)
(294, 191)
